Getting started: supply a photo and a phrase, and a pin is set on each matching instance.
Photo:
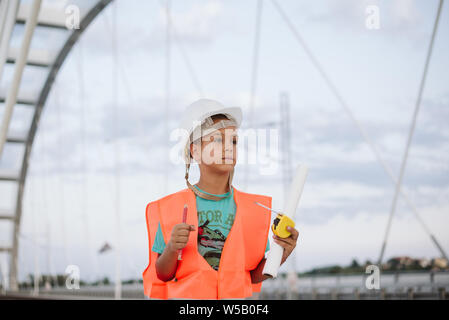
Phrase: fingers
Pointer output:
(288, 243)
(285, 242)
(180, 235)
(182, 229)
(181, 239)
(294, 233)
(292, 238)
(180, 242)
(184, 232)
(184, 226)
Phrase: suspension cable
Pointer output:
(115, 96)
(62, 211)
(254, 73)
(36, 248)
(167, 88)
(410, 137)
(184, 55)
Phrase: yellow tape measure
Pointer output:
(280, 224)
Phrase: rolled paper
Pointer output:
(275, 254)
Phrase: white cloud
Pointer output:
(197, 24)
(405, 11)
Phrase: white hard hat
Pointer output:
(195, 117)
(197, 113)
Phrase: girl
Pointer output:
(225, 236)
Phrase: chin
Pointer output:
(224, 167)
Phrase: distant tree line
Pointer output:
(393, 264)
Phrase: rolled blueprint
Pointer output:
(275, 254)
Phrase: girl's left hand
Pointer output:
(288, 243)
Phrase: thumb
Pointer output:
(192, 227)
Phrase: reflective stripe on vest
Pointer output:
(244, 248)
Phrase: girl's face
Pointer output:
(217, 150)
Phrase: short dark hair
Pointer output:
(219, 116)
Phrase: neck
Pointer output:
(213, 182)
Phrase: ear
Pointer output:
(195, 151)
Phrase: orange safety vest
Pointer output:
(244, 248)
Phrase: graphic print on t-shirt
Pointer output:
(210, 238)
(214, 226)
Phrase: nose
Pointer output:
(228, 147)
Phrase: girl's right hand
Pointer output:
(180, 236)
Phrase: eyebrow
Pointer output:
(219, 134)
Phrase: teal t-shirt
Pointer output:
(215, 219)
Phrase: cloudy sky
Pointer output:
(70, 192)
